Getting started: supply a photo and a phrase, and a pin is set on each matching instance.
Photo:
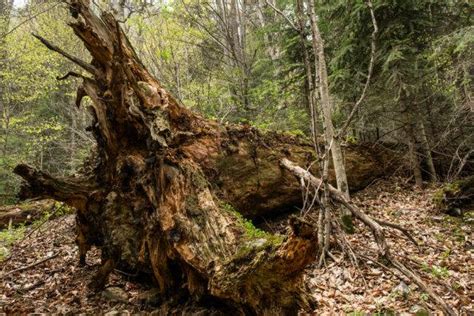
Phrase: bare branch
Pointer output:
(86, 66)
(71, 74)
(369, 71)
(400, 228)
(13, 29)
(293, 26)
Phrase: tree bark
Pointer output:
(427, 153)
(160, 195)
(414, 159)
(333, 143)
(329, 132)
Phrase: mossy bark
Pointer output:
(25, 213)
(457, 197)
(156, 196)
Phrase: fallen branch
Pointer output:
(23, 214)
(31, 287)
(30, 265)
(400, 228)
(376, 228)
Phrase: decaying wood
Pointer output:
(161, 193)
(457, 197)
(24, 213)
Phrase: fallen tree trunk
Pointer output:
(160, 195)
(24, 213)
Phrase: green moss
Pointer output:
(347, 224)
(422, 312)
(256, 239)
(250, 230)
(198, 179)
(447, 196)
(191, 201)
(438, 198)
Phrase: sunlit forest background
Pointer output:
(246, 65)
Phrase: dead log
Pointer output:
(456, 198)
(161, 194)
(25, 213)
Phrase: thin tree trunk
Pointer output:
(408, 113)
(414, 159)
(5, 11)
(332, 142)
(72, 144)
(427, 152)
(311, 95)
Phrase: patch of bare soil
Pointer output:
(445, 259)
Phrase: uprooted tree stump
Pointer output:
(160, 195)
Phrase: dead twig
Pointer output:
(290, 23)
(31, 287)
(30, 265)
(40, 225)
(369, 72)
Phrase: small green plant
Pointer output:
(445, 254)
(436, 271)
(439, 272)
(424, 297)
(8, 237)
(351, 139)
(456, 286)
(384, 312)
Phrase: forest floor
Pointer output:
(445, 259)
